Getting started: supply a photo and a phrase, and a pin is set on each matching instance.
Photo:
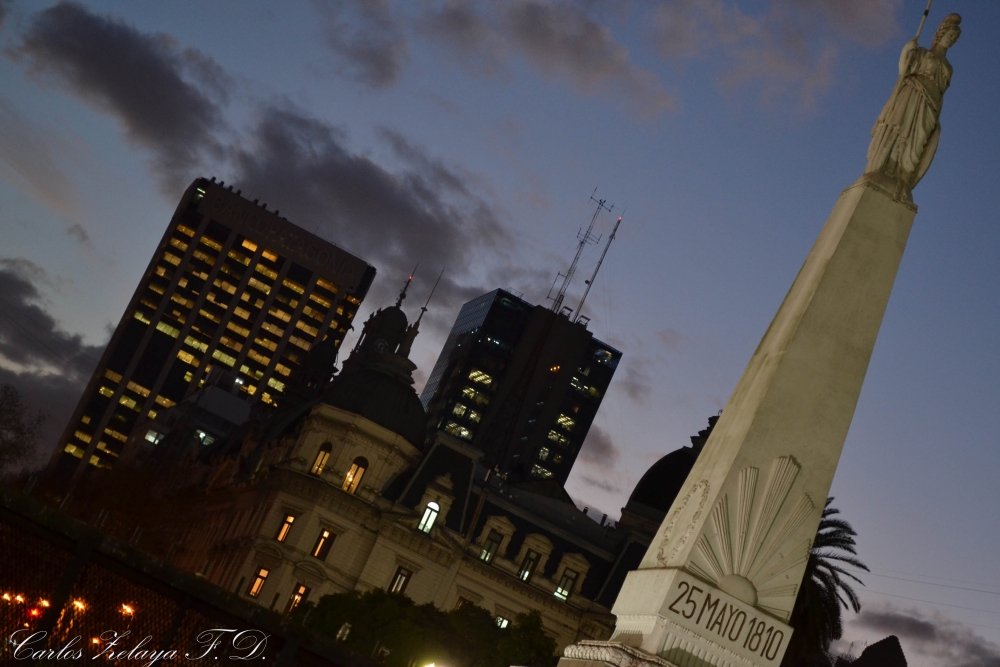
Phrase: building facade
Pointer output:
(231, 286)
(346, 491)
(521, 384)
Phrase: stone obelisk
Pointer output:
(720, 578)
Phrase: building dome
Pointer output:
(382, 399)
(662, 482)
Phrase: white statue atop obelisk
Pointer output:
(720, 578)
(906, 134)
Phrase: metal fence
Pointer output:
(75, 594)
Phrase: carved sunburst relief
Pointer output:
(745, 551)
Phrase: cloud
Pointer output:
(789, 49)
(141, 79)
(598, 448)
(4, 8)
(938, 638)
(46, 364)
(77, 231)
(635, 379)
(28, 158)
(672, 339)
(600, 483)
(367, 38)
(559, 39)
(426, 211)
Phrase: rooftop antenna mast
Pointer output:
(590, 283)
(586, 238)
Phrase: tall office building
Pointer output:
(231, 286)
(520, 383)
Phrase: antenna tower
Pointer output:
(590, 283)
(586, 238)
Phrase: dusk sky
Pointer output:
(468, 137)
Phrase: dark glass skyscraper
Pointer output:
(231, 285)
(520, 383)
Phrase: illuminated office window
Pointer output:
(400, 580)
(327, 285)
(490, 547)
(286, 526)
(566, 422)
(539, 471)
(321, 458)
(258, 583)
(480, 377)
(299, 594)
(322, 546)
(566, 582)
(430, 516)
(528, 565)
(353, 477)
(320, 300)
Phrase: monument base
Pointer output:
(589, 653)
(670, 614)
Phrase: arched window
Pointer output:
(430, 516)
(353, 477)
(321, 458)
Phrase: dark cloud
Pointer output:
(787, 49)
(598, 448)
(634, 379)
(137, 77)
(367, 38)
(895, 623)
(425, 212)
(600, 483)
(672, 339)
(77, 231)
(559, 39)
(938, 639)
(28, 158)
(4, 8)
(459, 25)
(47, 365)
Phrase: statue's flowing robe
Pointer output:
(906, 133)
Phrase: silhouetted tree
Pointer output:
(816, 617)
(398, 632)
(18, 431)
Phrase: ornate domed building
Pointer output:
(344, 489)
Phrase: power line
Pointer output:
(942, 604)
(932, 576)
(926, 583)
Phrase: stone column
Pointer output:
(719, 580)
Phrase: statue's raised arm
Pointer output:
(906, 133)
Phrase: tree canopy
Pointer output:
(398, 632)
(18, 430)
(816, 617)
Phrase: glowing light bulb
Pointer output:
(79, 604)
(44, 603)
(127, 610)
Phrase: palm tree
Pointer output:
(816, 617)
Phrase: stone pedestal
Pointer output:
(719, 580)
